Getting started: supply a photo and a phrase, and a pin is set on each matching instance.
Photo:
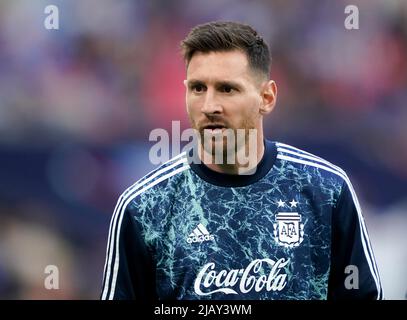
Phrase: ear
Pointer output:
(269, 97)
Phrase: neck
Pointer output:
(250, 159)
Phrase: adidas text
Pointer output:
(202, 238)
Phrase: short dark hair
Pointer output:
(227, 36)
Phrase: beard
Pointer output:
(226, 142)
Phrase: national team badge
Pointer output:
(288, 229)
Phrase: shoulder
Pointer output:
(313, 164)
(157, 179)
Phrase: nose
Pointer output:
(211, 104)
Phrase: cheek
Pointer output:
(250, 112)
(188, 104)
(250, 106)
(192, 106)
(256, 105)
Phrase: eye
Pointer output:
(198, 88)
(226, 88)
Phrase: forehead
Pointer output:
(222, 65)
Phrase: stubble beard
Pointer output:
(224, 144)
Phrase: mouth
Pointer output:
(214, 128)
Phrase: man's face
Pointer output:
(222, 93)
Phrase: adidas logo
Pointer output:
(200, 234)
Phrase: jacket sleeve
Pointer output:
(353, 273)
(129, 270)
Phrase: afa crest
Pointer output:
(288, 229)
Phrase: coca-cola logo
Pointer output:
(211, 281)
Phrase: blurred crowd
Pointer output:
(77, 106)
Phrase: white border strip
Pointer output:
(364, 237)
(311, 157)
(134, 187)
(323, 161)
(131, 189)
(117, 258)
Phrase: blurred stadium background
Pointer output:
(77, 106)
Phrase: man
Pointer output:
(289, 227)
